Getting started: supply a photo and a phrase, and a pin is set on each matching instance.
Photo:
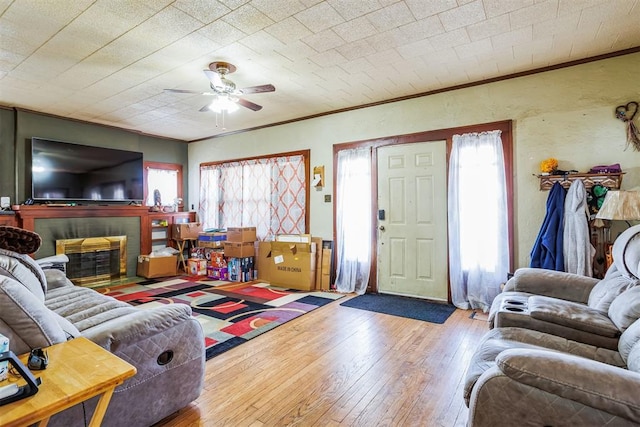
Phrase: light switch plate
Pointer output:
(5, 202)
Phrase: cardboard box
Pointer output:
(241, 234)
(160, 266)
(189, 230)
(263, 262)
(239, 249)
(197, 267)
(4, 366)
(214, 239)
(293, 265)
(319, 253)
(325, 281)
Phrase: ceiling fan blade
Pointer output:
(258, 89)
(188, 91)
(250, 105)
(214, 78)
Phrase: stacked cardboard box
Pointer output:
(239, 249)
(295, 261)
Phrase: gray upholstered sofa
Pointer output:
(564, 349)
(575, 307)
(166, 344)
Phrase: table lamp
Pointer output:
(620, 206)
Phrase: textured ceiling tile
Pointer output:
(356, 49)
(319, 17)
(248, 19)
(391, 17)
(462, 16)
(296, 51)
(422, 29)
(449, 39)
(472, 49)
(512, 38)
(490, 27)
(288, 30)
(261, 42)
(221, 32)
(324, 40)
(537, 13)
(562, 25)
(415, 49)
(495, 8)
(206, 11)
(422, 9)
(278, 10)
(350, 9)
(328, 58)
(355, 30)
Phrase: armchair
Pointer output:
(529, 378)
(571, 306)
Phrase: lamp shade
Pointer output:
(620, 205)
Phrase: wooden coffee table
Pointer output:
(78, 370)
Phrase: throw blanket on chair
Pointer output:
(578, 251)
(547, 251)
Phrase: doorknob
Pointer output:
(381, 228)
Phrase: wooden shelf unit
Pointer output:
(609, 180)
(26, 216)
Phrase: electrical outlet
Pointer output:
(5, 202)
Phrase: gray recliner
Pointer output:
(521, 377)
(575, 307)
(39, 308)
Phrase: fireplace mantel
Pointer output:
(28, 214)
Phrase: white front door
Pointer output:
(412, 220)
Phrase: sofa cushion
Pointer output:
(603, 294)
(23, 269)
(85, 308)
(29, 324)
(572, 315)
(625, 308)
(630, 344)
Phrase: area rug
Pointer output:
(229, 316)
(395, 305)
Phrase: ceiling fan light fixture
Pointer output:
(222, 103)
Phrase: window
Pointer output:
(163, 183)
(269, 193)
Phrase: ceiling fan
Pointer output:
(225, 90)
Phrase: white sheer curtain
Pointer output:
(353, 220)
(478, 227)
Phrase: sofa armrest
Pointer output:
(137, 326)
(575, 378)
(551, 283)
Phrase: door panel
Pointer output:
(412, 239)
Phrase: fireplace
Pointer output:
(94, 260)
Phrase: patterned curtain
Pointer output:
(266, 193)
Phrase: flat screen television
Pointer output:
(67, 172)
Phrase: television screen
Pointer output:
(73, 172)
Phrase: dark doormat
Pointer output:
(412, 308)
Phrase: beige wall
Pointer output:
(567, 114)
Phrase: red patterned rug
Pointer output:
(230, 313)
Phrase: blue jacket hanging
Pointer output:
(547, 250)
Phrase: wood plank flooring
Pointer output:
(340, 366)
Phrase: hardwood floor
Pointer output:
(341, 366)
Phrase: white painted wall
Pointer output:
(567, 114)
